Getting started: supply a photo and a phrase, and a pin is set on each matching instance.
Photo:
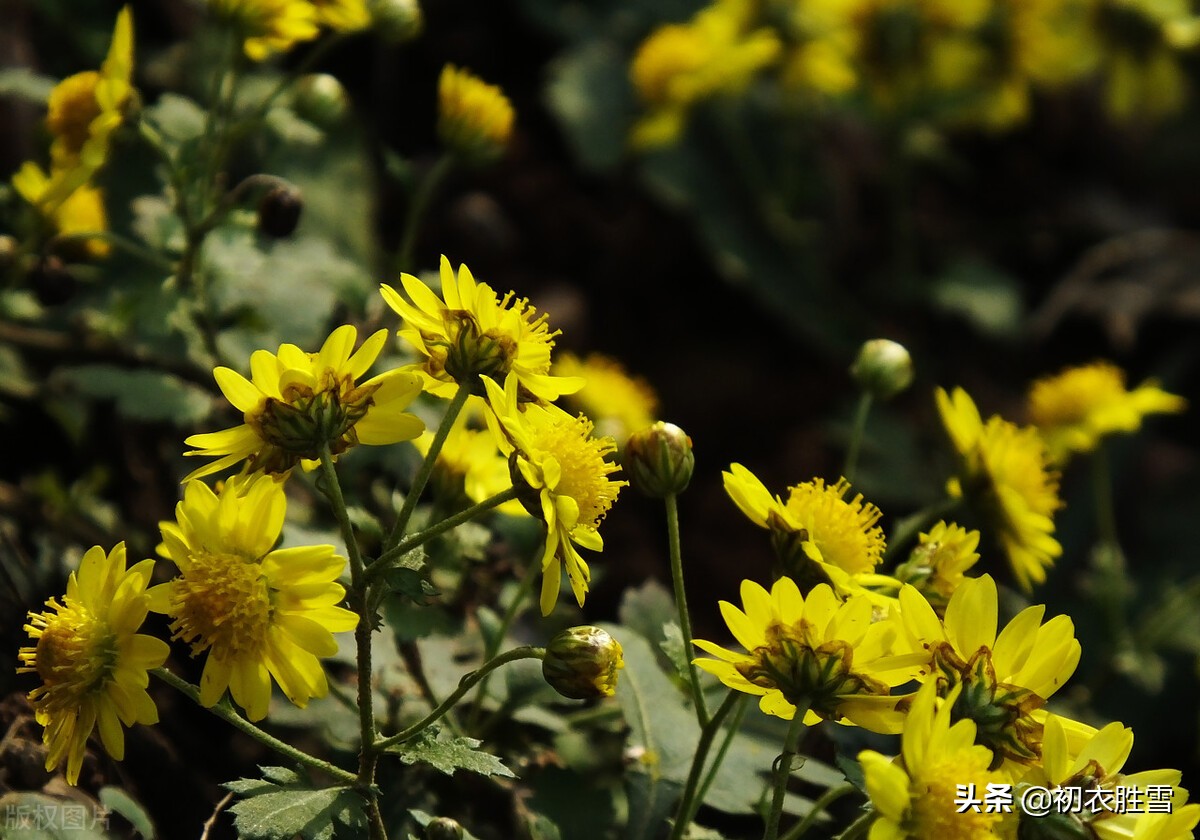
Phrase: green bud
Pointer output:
(883, 368)
(321, 99)
(443, 828)
(397, 21)
(659, 460)
(582, 662)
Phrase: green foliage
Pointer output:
(146, 395)
(281, 805)
(448, 753)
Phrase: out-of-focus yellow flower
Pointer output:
(475, 119)
(1006, 678)
(1093, 774)
(470, 332)
(91, 659)
(619, 404)
(1077, 407)
(916, 795)
(562, 476)
(1138, 42)
(936, 566)
(296, 402)
(815, 652)
(343, 15)
(715, 53)
(1005, 473)
(269, 26)
(82, 211)
(819, 42)
(260, 614)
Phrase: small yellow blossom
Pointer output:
(268, 26)
(343, 15)
(296, 402)
(916, 796)
(819, 41)
(82, 211)
(1077, 407)
(816, 652)
(680, 65)
(475, 119)
(562, 474)
(261, 614)
(470, 332)
(619, 404)
(936, 566)
(91, 659)
(1005, 472)
(816, 529)
(1006, 678)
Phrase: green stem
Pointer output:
(730, 733)
(908, 528)
(382, 563)
(690, 801)
(783, 771)
(827, 798)
(856, 435)
(1102, 496)
(422, 477)
(493, 644)
(420, 201)
(858, 828)
(685, 621)
(464, 685)
(231, 717)
(118, 241)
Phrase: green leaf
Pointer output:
(646, 609)
(25, 84)
(176, 117)
(280, 806)
(156, 223)
(672, 646)
(589, 91)
(982, 294)
(35, 816)
(449, 753)
(147, 395)
(120, 802)
(578, 808)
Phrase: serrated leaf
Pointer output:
(120, 802)
(139, 394)
(448, 753)
(270, 811)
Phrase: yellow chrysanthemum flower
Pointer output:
(563, 477)
(260, 614)
(915, 796)
(470, 467)
(936, 566)
(680, 65)
(296, 402)
(92, 660)
(475, 119)
(1092, 772)
(343, 15)
(619, 404)
(82, 211)
(1005, 472)
(1074, 409)
(268, 26)
(1006, 678)
(818, 652)
(470, 332)
(816, 529)
(819, 46)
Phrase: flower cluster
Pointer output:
(267, 27)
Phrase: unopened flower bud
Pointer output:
(475, 119)
(443, 828)
(321, 99)
(883, 368)
(279, 211)
(52, 283)
(582, 662)
(659, 460)
(397, 21)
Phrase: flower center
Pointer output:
(307, 418)
(72, 108)
(583, 469)
(222, 601)
(818, 676)
(934, 812)
(845, 532)
(471, 352)
(75, 654)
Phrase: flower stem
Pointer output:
(127, 245)
(685, 621)
(464, 685)
(856, 435)
(691, 801)
(493, 644)
(783, 771)
(858, 828)
(231, 717)
(421, 197)
(827, 798)
(382, 563)
(422, 477)
(731, 732)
